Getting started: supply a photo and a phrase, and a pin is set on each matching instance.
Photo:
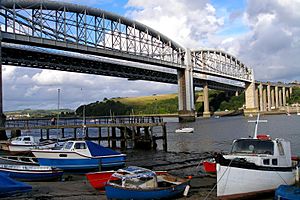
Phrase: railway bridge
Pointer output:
(67, 37)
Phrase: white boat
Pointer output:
(184, 130)
(75, 155)
(26, 143)
(254, 165)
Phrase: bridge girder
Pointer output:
(66, 26)
(221, 64)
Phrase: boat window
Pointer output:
(26, 139)
(266, 161)
(280, 148)
(274, 162)
(253, 146)
(68, 145)
(80, 146)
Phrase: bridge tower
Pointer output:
(250, 97)
(186, 106)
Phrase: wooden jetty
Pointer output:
(119, 129)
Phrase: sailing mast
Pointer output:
(256, 125)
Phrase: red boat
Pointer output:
(99, 179)
(209, 166)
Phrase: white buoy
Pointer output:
(186, 190)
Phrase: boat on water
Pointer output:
(31, 173)
(24, 144)
(18, 160)
(254, 165)
(287, 192)
(10, 187)
(184, 130)
(140, 183)
(80, 155)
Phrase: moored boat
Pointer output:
(76, 155)
(287, 192)
(9, 187)
(31, 173)
(254, 165)
(139, 183)
(23, 144)
(98, 180)
(184, 130)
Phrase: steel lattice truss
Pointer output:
(91, 31)
(87, 27)
(219, 63)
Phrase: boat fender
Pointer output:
(186, 190)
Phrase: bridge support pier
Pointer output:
(206, 113)
(186, 91)
(250, 99)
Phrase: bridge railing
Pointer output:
(40, 122)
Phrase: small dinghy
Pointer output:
(287, 192)
(9, 187)
(184, 130)
(31, 173)
(99, 179)
(139, 183)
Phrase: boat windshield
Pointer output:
(253, 146)
(68, 145)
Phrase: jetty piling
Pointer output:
(120, 131)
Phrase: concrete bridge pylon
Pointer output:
(186, 105)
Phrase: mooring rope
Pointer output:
(218, 181)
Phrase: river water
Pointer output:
(217, 134)
(185, 151)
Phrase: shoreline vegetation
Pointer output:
(221, 104)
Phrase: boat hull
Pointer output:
(83, 163)
(234, 182)
(31, 175)
(115, 192)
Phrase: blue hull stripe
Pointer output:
(32, 176)
(82, 163)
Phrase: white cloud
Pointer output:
(187, 22)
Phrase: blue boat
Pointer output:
(80, 155)
(9, 187)
(139, 183)
(31, 173)
(287, 192)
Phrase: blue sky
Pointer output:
(263, 34)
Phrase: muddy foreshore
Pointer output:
(75, 186)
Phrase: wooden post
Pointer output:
(99, 135)
(63, 133)
(87, 133)
(41, 134)
(108, 136)
(113, 134)
(75, 134)
(165, 146)
(48, 132)
(123, 137)
(133, 136)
